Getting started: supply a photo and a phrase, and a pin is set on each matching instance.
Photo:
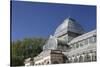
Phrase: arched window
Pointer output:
(80, 58)
(87, 58)
(70, 60)
(75, 59)
(48, 62)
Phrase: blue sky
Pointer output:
(36, 19)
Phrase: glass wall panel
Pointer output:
(51, 44)
(94, 39)
(91, 40)
(60, 47)
(74, 46)
(77, 45)
(86, 42)
(81, 43)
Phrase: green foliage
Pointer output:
(22, 49)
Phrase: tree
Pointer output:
(22, 49)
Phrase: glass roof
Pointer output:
(71, 25)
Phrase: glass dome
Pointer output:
(69, 25)
(51, 43)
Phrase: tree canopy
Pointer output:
(22, 49)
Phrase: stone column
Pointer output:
(78, 58)
(73, 59)
(83, 57)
